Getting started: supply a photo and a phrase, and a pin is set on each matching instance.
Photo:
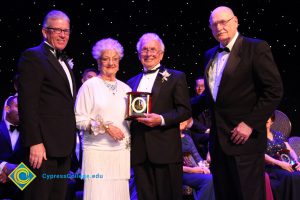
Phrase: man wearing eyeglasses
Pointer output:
(156, 155)
(46, 105)
(243, 88)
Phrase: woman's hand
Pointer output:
(286, 166)
(115, 132)
(200, 170)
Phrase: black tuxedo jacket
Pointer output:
(6, 152)
(161, 144)
(249, 91)
(46, 105)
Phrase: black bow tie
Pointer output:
(13, 127)
(61, 55)
(151, 71)
(223, 49)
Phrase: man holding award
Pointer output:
(158, 103)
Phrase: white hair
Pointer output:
(107, 44)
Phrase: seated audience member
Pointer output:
(282, 165)
(199, 87)
(88, 73)
(195, 173)
(201, 118)
(11, 153)
(16, 83)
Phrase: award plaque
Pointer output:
(139, 103)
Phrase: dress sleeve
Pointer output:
(84, 107)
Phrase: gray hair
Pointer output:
(55, 14)
(147, 37)
(107, 44)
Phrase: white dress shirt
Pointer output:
(215, 72)
(147, 81)
(146, 85)
(63, 64)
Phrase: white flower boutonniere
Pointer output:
(165, 75)
(70, 62)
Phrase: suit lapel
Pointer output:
(137, 82)
(73, 80)
(156, 87)
(18, 144)
(54, 62)
(207, 67)
(232, 63)
(57, 66)
(5, 132)
(234, 57)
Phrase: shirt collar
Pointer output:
(231, 43)
(7, 123)
(53, 51)
(156, 66)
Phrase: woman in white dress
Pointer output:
(100, 112)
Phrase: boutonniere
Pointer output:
(70, 62)
(165, 74)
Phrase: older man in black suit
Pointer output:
(46, 104)
(156, 144)
(243, 89)
(11, 152)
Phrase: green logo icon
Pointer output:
(22, 176)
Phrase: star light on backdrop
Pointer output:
(183, 26)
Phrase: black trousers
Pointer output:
(42, 188)
(158, 181)
(239, 177)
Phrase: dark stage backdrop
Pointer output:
(182, 24)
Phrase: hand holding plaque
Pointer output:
(139, 103)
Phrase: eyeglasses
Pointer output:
(106, 60)
(151, 50)
(222, 23)
(59, 30)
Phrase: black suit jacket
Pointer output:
(161, 144)
(7, 154)
(46, 105)
(249, 91)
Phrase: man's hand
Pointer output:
(150, 119)
(37, 154)
(241, 133)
